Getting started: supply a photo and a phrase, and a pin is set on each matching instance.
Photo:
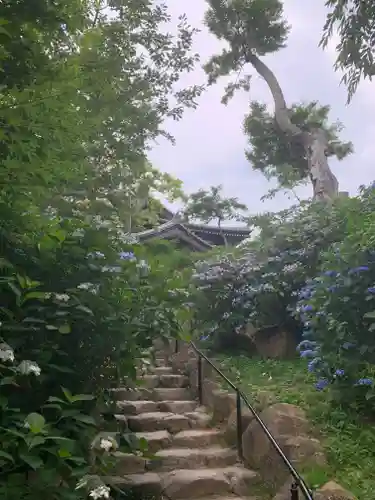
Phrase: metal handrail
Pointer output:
(299, 482)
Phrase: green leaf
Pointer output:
(51, 327)
(86, 419)
(34, 441)
(64, 329)
(35, 295)
(64, 453)
(370, 314)
(85, 309)
(67, 394)
(33, 461)
(82, 397)
(6, 456)
(36, 422)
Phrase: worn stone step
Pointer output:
(127, 463)
(197, 438)
(172, 394)
(198, 419)
(188, 483)
(149, 381)
(148, 483)
(178, 406)
(160, 362)
(136, 407)
(156, 440)
(162, 370)
(138, 394)
(158, 421)
(196, 458)
(173, 380)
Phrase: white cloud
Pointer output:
(209, 141)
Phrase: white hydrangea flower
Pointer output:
(6, 353)
(26, 367)
(100, 492)
(106, 444)
(63, 297)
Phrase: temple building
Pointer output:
(195, 237)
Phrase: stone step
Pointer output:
(141, 485)
(173, 380)
(162, 370)
(196, 458)
(137, 407)
(172, 394)
(138, 394)
(199, 419)
(188, 483)
(197, 438)
(151, 381)
(156, 440)
(158, 421)
(178, 406)
(126, 463)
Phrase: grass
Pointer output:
(349, 442)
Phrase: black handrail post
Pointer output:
(200, 380)
(294, 492)
(176, 346)
(239, 425)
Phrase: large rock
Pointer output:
(284, 421)
(275, 343)
(223, 404)
(230, 433)
(333, 491)
(209, 387)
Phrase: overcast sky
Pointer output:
(210, 143)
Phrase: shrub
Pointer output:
(338, 309)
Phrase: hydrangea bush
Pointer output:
(78, 307)
(337, 308)
(259, 283)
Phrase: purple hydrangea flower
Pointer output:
(127, 255)
(321, 384)
(359, 269)
(339, 372)
(371, 289)
(364, 381)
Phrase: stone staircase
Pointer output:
(190, 458)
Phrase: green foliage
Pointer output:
(84, 88)
(354, 23)
(210, 205)
(258, 285)
(347, 439)
(339, 309)
(275, 155)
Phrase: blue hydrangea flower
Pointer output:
(204, 337)
(307, 308)
(339, 372)
(364, 381)
(312, 365)
(321, 384)
(309, 353)
(359, 269)
(306, 344)
(371, 289)
(126, 255)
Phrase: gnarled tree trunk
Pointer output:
(325, 184)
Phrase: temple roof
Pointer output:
(198, 237)
(176, 231)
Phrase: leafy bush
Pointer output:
(258, 285)
(337, 308)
